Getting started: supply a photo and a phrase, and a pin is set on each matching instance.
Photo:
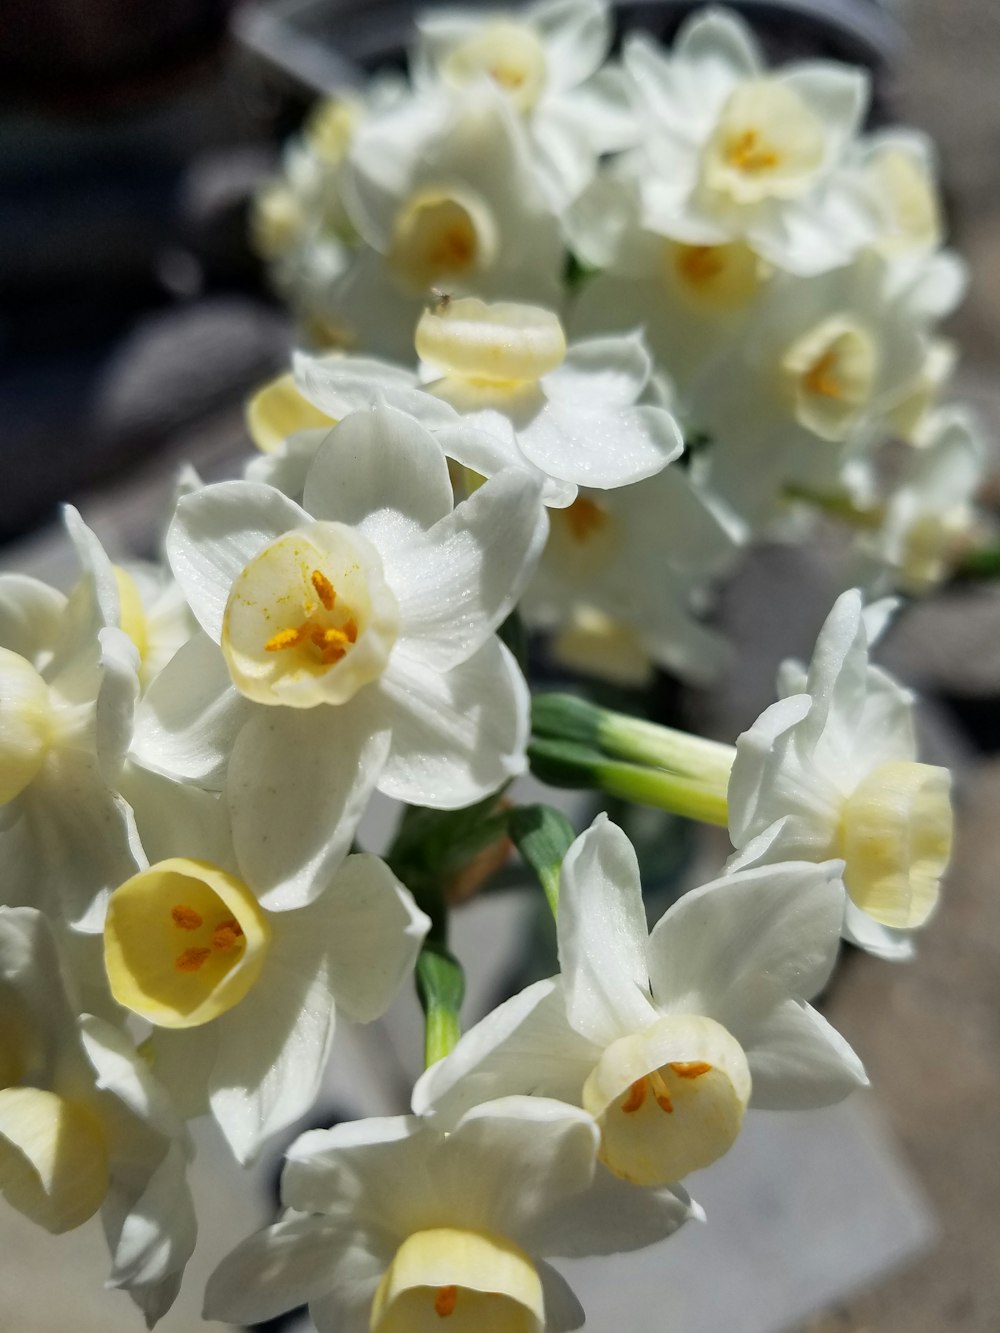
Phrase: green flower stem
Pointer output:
(543, 837)
(565, 717)
(441, 988)
(568, 764)
(981, 564)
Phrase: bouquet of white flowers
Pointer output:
(750, 287)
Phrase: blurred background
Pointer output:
(134, 319)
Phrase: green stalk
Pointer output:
(543, 837)
(567, 764)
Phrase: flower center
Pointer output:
(583, 518)
(832, 371)
(441, 237)
(719, 276)
(183, 942)
(669, 1100)
(504, 344)
(53, 1158)
(508, 53)
(895, 835)
(310, 619)
(478, 1282)
(26, 724)
(767, 144)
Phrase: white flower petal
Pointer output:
(754, 796)
(156, 1236)
(602, 936)
(382, 472)
(342, 385)
(837, 94)
(609, 372)
(116, 700)
(276, 1270)
(576, 35)
(53, 858)
(458, 582)
(30, 614)
(504, 1162)
(612, 1217)
(595, 447)
(737, 946)
(373, 931)
(274, 1045)
(523, 1046)
(798, 1061)
(563, 1312)
(216, 532)
(297, 787)
(456, 735)
(190, 716)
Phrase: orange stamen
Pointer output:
(324, 588)
(744, 154)
(636, 1096)
(662, 1092)
(287, 638)
(700, 263)
(690, 1068)
(821, 378)
(185, 917)
(584, 518)
(445, 1301)
(226, 935)
(191, 959)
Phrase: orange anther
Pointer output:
(662, 1093)
(191, 959)
(690, 1068)
(445, 1301)
(636, 1096)
(743, 152)
(700, 263)
(226, 935)
(821, 378)
(287, 638)
(185, 917)
(324, 588)
(584, 518)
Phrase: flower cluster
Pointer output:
(188, 748)
(787, 271)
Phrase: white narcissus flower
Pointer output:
(444, 195)
(632, 559)
(547, 59)
(666, 1040)
(930, 517)
(243, 1000)
(68, 686)
(357, 647)
(688, 299)
(84, 1126)
(899, 167)
(568, 416)
(831, 770)
(394, 1226)
(800, 396)
(732, 152)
